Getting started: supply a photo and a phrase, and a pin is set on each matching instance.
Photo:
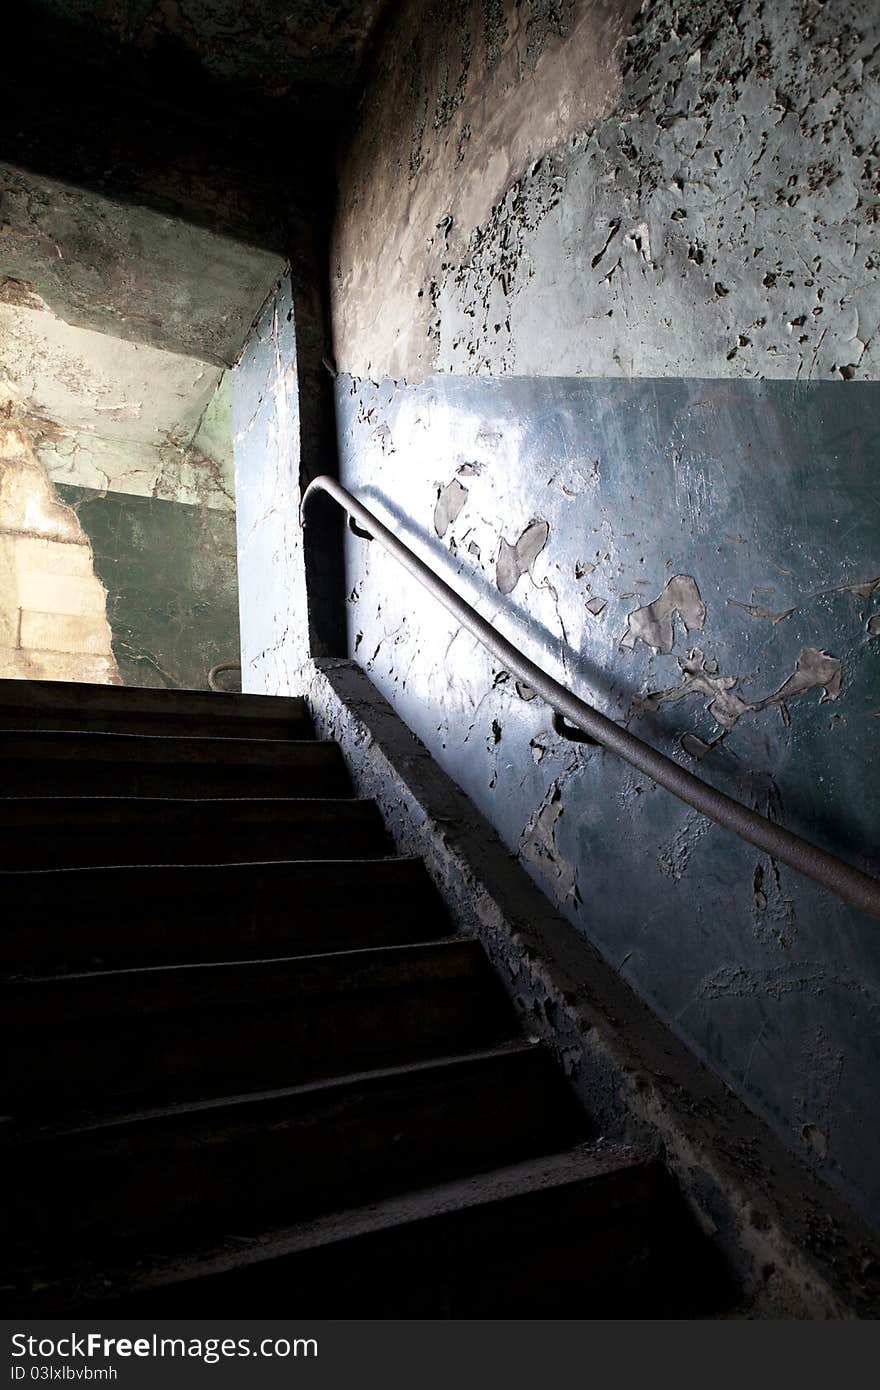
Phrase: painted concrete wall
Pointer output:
(605, 307)
(289, 580)
(266, 444)
(168, 569)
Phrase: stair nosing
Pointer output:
(61, 734)
(236, 966)
(226, 864)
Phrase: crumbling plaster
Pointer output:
(584, 189)
(53, 618)
(114, 415)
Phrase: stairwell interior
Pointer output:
(366, 992)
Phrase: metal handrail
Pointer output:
(857, 888)
(215, 671)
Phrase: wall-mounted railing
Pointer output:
(213, 683)
(857, 888)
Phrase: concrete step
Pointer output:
(119, 918)
(61, 763)
(281, 1156)
(40, 705)
(590, 1232)
(69, 832)
(189, 1031)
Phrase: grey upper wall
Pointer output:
(590, 188)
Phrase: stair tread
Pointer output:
(181, 1031)
(287, 974)
(72, 875)
(74, 745)
(146, 806)
(180, 1112)
(68, 920)
(41, 833)
(543, 1175)
(73, 696)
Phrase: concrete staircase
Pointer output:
(251, 1072)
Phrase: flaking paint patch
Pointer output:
(814, 670)
(654, 624)
(773, 916)
(449, 506)
(674, 857)
(710, 211)
(516, 560)
(538, 845)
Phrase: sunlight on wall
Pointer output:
(53, 608)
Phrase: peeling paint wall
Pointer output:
(605, 307)
(580, 189)
(129, 272)
(739, 642)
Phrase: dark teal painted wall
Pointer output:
(169, 571)
(765, 495)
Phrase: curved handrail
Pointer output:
(215, 671)
(857, 888)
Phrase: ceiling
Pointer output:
(116, 326)
(130, 271)
(268, 51)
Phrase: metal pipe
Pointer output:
(857, 888)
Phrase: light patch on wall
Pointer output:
(53, 608)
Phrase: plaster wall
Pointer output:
(605, 306)
(266, 442)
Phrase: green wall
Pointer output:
(170, 573)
